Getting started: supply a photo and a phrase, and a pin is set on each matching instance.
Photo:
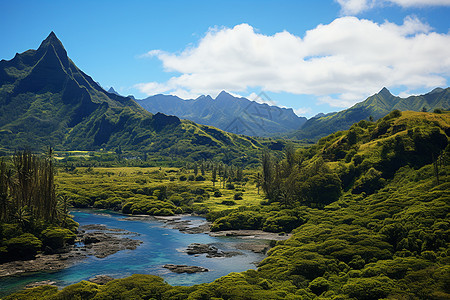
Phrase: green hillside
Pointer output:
(374, 107)
(369, 211)
(45, 100)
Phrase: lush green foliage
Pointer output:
(386, 236)
(31, 217)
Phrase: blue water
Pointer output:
(161, 245)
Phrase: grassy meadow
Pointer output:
(113, 187)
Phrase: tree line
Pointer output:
(294, 180)
(27, 189)
(220, 172)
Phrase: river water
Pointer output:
(161, 245)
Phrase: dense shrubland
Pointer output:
(198, 187)
(379, 230)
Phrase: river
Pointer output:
(161, 245)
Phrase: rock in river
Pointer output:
(184, 268)
(211, 251)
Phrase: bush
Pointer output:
(191, 178)
(80, 290)
(369, 182)
(199, 178)
(217, 194)
(239, 220)
(368, 288)
(282, 222)
(41, 292)
(134, 287)
(238, 196)
(25, 246)
(230, 186)
(228, 202)
(57, 237)
(319, 285)
(183, 178)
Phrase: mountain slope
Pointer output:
(376, 106)
(45, 100)
(229, 113)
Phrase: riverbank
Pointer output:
(92, 240)
(260, 241)
(92, 254)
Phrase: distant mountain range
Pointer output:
(45, 100)
(229, 113)
(240, 115)
(373, 108)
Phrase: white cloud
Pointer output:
(302, 111)
(262, 98)
(354, 7)
(409, 3)
(349, 58)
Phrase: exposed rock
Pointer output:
(101, 279)
(184, 226)
(252, 234)
(40, 283)
(106, 241)
(51, 262)
(100, 243)
(184, 268)
(257, 246)
(209, 250)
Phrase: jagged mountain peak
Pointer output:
(228, 112)
(113, 91)
(223, 94)
(50, 42)
(204, 97)
(385, 92)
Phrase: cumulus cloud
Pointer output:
(354, 7)
(340, 63)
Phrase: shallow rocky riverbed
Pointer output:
(92, 240)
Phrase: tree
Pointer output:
(258, 180)
(3, 191)
(289, 152)
(214, 175)
(195, 169)
(202, 168)
(267, 173)
(31, 189)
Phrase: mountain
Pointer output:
(229, 113)
(113, 91)
(374, 107)
(45, 100)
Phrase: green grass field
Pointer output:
(122, 183)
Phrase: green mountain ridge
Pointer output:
(376, 106)
(46, 100)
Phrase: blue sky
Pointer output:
(313, 56)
